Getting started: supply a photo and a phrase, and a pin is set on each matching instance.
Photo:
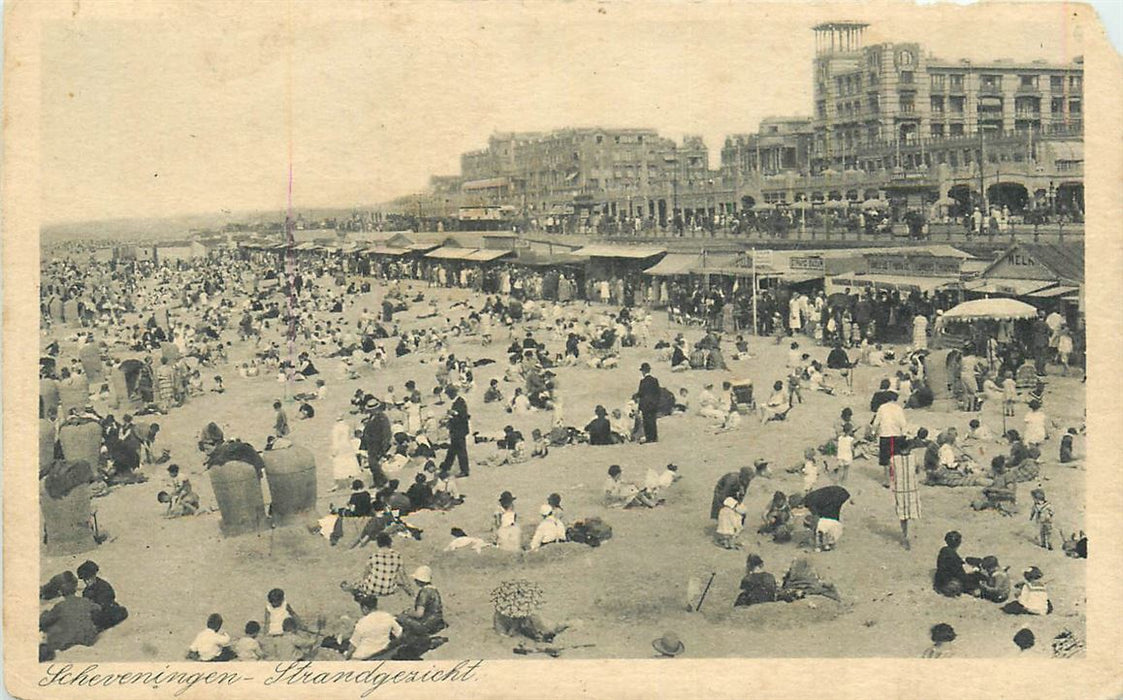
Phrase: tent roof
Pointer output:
(385, 250)
(635, 252)
(487, 255)
(675, 264)
(450, 253)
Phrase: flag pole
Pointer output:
(755, 331)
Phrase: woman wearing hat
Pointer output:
(426, 617)
(549, 530)
(669, 645)
(508, 533)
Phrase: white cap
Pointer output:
(423, 574)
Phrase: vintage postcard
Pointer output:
(601, 349)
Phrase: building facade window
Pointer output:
(1075, 82)
(1027, 81)
(1057, 106)
(1057, 83)
(957, 105)
(955, 129)
(1074, 107)
(938, 81)
(937, 104)
(937, 130)
(907, 77)
(990, 82)
(908, 104)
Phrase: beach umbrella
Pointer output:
(874, 204)
(802, 205)
(990, 309)
(834, 204)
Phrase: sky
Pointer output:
(163, 116)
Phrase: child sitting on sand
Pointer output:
(212, 644)
(493, 394)
(540, 445)
(1033, 598)
(247, 648)
(277, 611)
(182, 502)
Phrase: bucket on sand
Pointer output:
(81, 442)
(238, 493)
(66, 521)
(292, 483)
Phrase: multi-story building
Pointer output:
(612, 172)
(889, 119)
(783, 144)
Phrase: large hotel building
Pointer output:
(888, 121)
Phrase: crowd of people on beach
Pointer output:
(398, 452)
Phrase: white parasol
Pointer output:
(990, 309)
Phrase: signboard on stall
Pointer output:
(919, 265)
(763, 257)
(813, 263)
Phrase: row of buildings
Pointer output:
(888, 121)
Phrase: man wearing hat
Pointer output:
(648, 398)
(377, 437)
(457, 433)
(669, 645)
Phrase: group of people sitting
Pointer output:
(76, 620)
(375, 635)
(985, 578)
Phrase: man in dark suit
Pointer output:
(376, 439)
(648, 398)
(457, 432)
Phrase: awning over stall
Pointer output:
(675, 264)
(634, 252)
(919, 284)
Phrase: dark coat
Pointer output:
(376, 436)
(458, 418)
(648, 394)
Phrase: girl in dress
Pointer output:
(508, 533)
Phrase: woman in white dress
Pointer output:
(345, 467)
(508, 533)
